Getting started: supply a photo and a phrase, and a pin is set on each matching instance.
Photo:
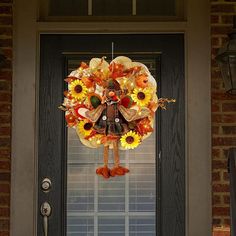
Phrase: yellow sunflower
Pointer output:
(142, 96)
(130, 140)
(77, 89)
(84, 127)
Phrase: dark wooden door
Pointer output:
(57, 54)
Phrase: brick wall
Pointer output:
(5, 114)
(223, 117)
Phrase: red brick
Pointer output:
(5, 20)
(216, 199)
(215, 107)
(227, 19)
(225, 40)
(220, 188)
(4, 165)
(7, 64)
(8, 53)
(229, 118)
(229, 129)
(221, 211)
(214, 130)
(216, 176)
(215, 42)
(5, 142)
(4, 188)
(226, 141)
(6, 31)
(216, 74)
(5, 97)
(5, 75)
(4, 176)
(226, 199)
(221, 232)
(4, 212)
(5, 153)
(221, 29)
(225, 153)
(222, 8)
(216, 221)
(5, 85)
(227, 222)
(214, 52)
(214, 19)
(4, 201)
(5, 119)
(5, 9)
(218, 164)
(226, 176)
(5, 42)
(230, 107)
(5, 108)
(214, 63)
(6, 131)
(221, 96)
(4, 225)
(215, 153)
(4, 233)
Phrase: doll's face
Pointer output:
(113, 95)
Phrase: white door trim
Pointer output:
(198, 108)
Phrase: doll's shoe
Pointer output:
(103, 171)
(119, 170)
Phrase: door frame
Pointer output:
(198, 108)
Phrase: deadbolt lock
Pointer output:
(46, 185)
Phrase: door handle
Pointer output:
(46, 211)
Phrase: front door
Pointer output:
(150, 200)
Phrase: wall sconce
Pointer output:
(227, 61)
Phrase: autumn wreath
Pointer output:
(112, 105)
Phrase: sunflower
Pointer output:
(142, 96)
(84, 128)
(77, 89)
(130, 140)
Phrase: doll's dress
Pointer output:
(111, 122)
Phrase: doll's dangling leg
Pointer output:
(117, 169)
(104, 171)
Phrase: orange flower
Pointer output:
(88, 82)
(117, 70)
(143, 127)
(83, 65)
(70, 119)
(142, 81)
